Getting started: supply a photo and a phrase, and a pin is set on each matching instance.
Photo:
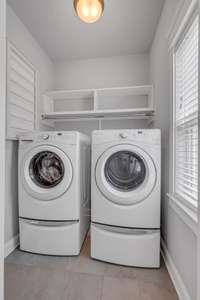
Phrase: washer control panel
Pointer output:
(63, 137)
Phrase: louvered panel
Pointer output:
(20, 102)
(21, 125)
(21, 61)
(186, 117)
(21, 90)
(19, 111)
(16, 67)
(22, 82)
(20, 94)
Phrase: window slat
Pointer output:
(186, 115)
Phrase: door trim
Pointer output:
(2, 136)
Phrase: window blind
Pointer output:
(21, 81)
(186, 115)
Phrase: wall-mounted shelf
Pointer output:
(100, 114)
(111, 103)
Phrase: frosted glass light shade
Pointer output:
(89, 11)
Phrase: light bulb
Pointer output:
(85, 11)
(94, 12)
(89, 11)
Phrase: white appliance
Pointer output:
(125, 200)
(54, 192)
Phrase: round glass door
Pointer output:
(125, 174)
(46, 169)
(125, 170)
(46, 172)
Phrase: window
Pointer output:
(186, 116)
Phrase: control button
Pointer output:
(123, 135)
(45, 136)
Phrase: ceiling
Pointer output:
(127, 27)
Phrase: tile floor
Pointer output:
(31, 277)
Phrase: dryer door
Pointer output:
(46, 172)
(125, 174)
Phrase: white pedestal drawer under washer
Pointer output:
(126, 167)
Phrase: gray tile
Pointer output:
(19, 257)
(53, 284)
(89, 266)
(30, 283)
(31, 276)
(157, 276)
(85, 287)
(120, 289)
(84, 264)
(14, 257)
(20, 282)
(117, 271)
(151, 291)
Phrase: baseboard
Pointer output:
(11, 245)
(174, 273)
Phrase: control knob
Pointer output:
(45, 136)
(123, 135)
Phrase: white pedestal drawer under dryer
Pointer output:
(126, 167)
(54, 192)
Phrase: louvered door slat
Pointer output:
(21, 95)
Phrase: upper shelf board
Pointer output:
(100, 114)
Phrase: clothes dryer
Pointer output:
(126, 170)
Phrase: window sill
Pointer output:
(188, 216)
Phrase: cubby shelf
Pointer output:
(111, 103)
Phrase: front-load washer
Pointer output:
(126, 167)
(54, 191)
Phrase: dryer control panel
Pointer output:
(150, 136)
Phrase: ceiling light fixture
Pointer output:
(89, 11)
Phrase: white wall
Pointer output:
(180, 241)
(102, 72)
(22, 39)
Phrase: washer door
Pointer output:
(46, 172)
(125, 174)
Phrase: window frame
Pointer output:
(180, 38)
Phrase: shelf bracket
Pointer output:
(100, 125)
